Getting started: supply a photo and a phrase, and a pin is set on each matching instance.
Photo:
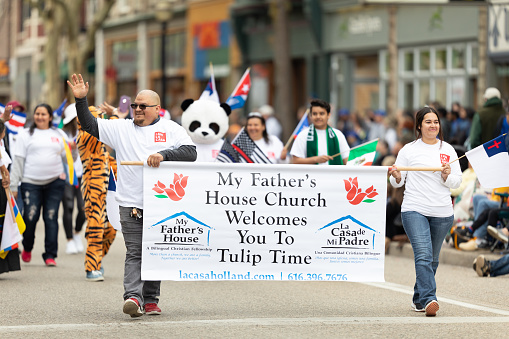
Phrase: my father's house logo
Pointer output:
(174, 191)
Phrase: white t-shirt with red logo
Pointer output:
(272, 149)
(425, 191)
(135, 143)
(43, 153)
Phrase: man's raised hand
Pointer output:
(7, 114)
(78, 86)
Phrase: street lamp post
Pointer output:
(163, 15)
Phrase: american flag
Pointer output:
(227, 153)
(249, 152)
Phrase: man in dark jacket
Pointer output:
(485, 121)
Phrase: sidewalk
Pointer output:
(449, 255)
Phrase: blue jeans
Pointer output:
(426, 235)
(48, 197)
(500, 266)
(482, 202)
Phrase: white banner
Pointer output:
(212, 221)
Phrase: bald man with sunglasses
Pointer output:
(146, 137)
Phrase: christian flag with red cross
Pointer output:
(490, 162)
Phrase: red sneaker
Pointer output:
(26, 256)
(152, 309)
(132, 307)
(50, 262)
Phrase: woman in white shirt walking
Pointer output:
(426, 211)
(38, 166)
(270, 145)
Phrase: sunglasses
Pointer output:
(142, 106)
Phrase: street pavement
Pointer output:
(45, 302)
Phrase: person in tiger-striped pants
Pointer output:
(96, 170)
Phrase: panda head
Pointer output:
(205, 121)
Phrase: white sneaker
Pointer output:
(71, 247)
(78, 242)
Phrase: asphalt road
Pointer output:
(44, 302)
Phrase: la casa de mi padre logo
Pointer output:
(347, 232)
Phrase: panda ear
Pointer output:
(226, 108)
(186, 103)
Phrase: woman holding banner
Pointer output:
(426, 211)
(38, 165)
(268, 144)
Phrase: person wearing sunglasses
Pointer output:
(146, 137)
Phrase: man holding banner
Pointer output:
(145, 138)
(320, 143)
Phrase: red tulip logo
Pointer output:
(175, 191)
(355, 195)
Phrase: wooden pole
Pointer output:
(132, 163)
(9, 194)
(429, 169)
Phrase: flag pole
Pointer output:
(132, 163)
(8, 193)
(292, 137)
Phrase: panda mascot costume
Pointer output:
(206, 122)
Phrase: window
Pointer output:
(424, 61)
(408, 95)
(441, 91)
(435, 73)
(409, 61)
(440, 59)
(458, 58)
(424, 91)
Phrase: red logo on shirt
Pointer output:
(215, 153)
(444, 158)
(159, 137)
(55, 139)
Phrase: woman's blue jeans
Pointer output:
(47, 197)
(426, 235)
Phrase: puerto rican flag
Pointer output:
(210, 92)
(490, 162)
(303, 123)
(17, 121)
(238, 98)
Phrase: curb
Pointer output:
(448, 255)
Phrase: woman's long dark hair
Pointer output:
(419, 118)
(257, 115)
(50, 111)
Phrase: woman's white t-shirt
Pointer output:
(425, 191)
(272, 149)
(42, 151)
(299, 148)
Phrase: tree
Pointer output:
(61, 25)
